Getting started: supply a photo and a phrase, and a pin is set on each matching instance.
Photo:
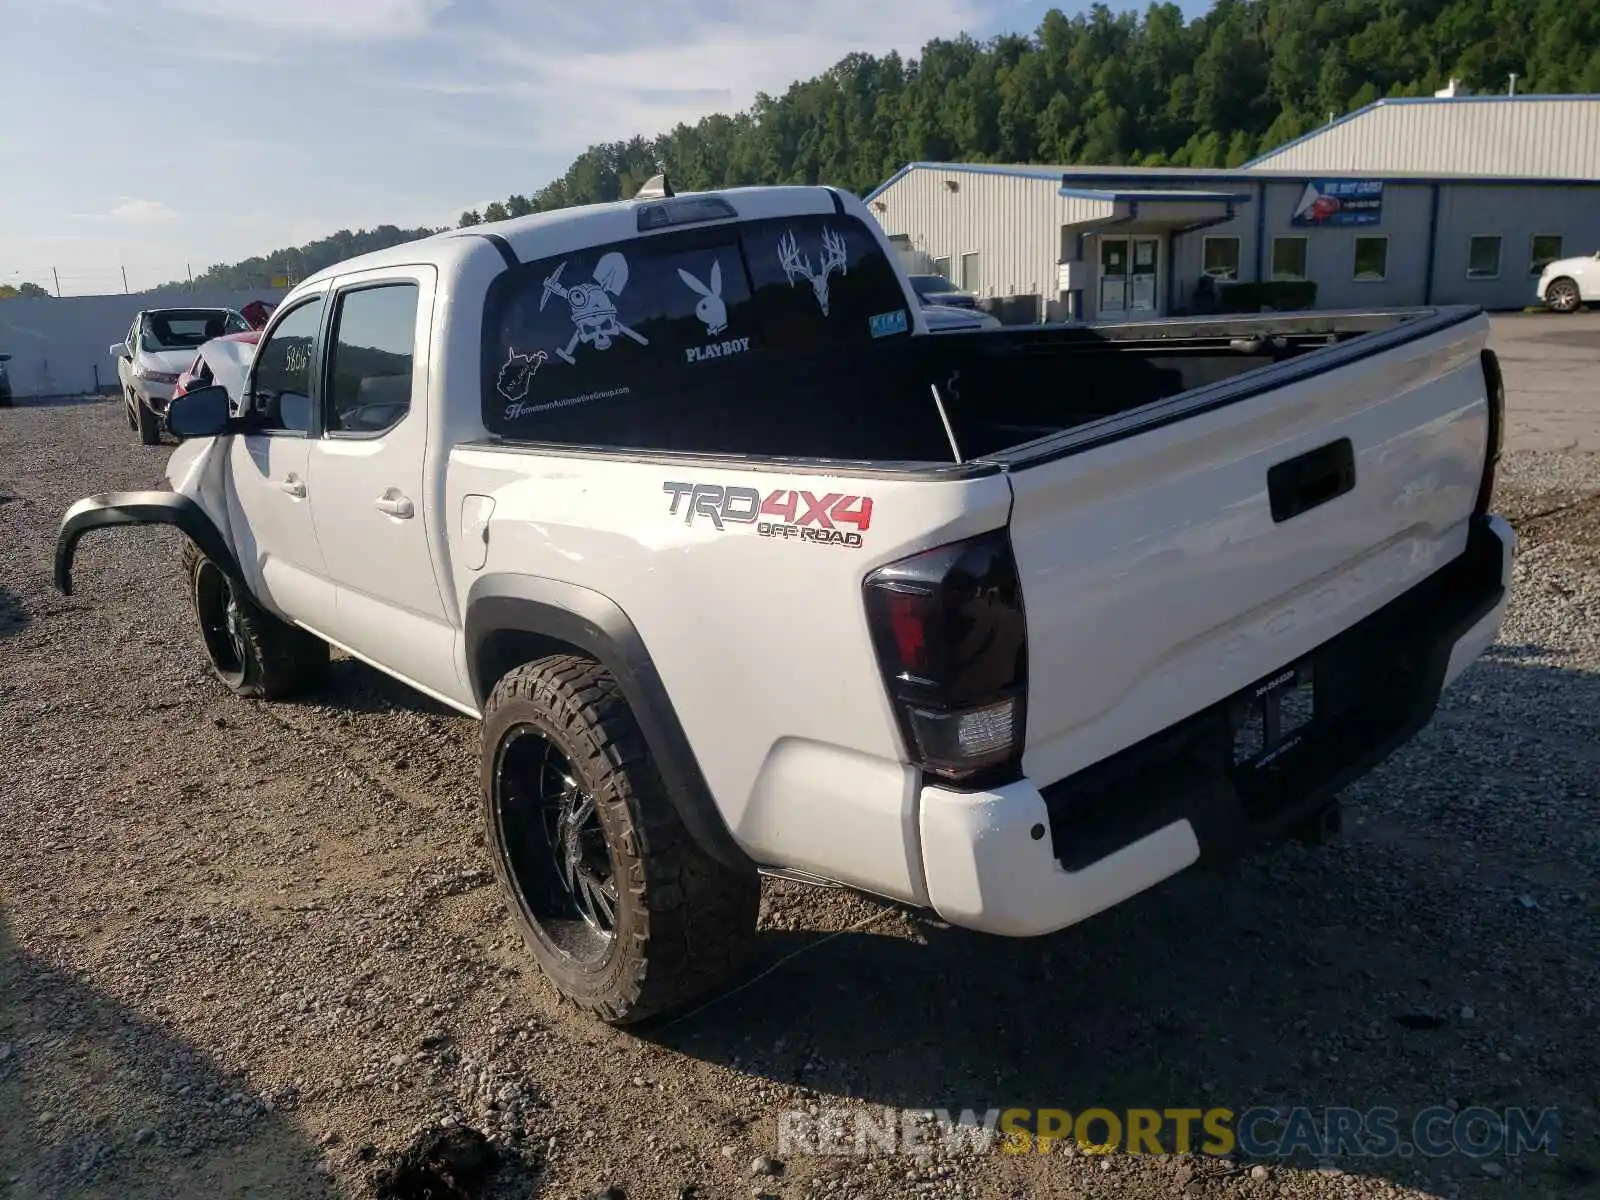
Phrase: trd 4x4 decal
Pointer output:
(790, 515)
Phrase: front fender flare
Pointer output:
(141, 508)
(580, 617)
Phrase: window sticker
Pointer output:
(725, 349)
(889, 323)
(516, 376)
(797, 266)
(711, 310)
(594, 306)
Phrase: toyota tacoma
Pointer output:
(742, 571)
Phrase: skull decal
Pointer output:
(593, 305)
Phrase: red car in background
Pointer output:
(221, 360)
(257, 313)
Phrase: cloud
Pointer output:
(141, 212)
(674, 63)
(359, 19)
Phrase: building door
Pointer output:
(1128, 276)
(1113, 276)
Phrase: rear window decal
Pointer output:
(717, 350)
(516, 377)
(711, 310)
(523, 409)
(889, 323)
(594, 305)
(835, 257)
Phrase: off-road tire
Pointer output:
(684, 920)
(278, 660)
(1563, 295)
(149, 424)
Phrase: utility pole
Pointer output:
(57, 275)
(124, 281)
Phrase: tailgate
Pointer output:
(1165, 571)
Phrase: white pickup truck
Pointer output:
(744, 572)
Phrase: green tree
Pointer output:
(471, 217)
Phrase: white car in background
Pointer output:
(160, 345)
(1567, 284)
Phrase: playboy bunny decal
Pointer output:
(712, 312)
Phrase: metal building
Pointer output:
(1430, 201)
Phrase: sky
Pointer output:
(160, 135)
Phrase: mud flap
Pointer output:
(141, 508)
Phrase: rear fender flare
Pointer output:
(554, 612)
(142, 508)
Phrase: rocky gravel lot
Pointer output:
(252, 950)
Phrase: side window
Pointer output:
(373, 345)
(280, 386)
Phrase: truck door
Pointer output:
(371, 500)
(268, 468)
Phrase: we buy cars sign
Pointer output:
(1340, 202)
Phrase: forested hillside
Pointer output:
(296, 262)
(1104, 87)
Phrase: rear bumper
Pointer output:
(1022, 861)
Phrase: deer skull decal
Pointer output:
(594, 311)
(797, 266)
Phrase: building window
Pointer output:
(1371, 260)
(1546, 249)
(971, 274)
(941, 266)
(1483, 256)
(1220, 257)
(1289, 258)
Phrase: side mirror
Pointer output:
(203, 412)
(119, 350)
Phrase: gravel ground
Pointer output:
(252, 950)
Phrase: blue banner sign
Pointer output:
(1340, 202)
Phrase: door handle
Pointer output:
(1312, 479)
(395, 506)
(294, 486)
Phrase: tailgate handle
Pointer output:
(1314, 478)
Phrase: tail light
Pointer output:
(1495, 386)
(951, 640)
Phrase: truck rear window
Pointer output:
(596, 346)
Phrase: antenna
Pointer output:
(655, 188)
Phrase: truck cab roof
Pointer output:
(540, 234)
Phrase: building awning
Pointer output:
(1150, 210)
